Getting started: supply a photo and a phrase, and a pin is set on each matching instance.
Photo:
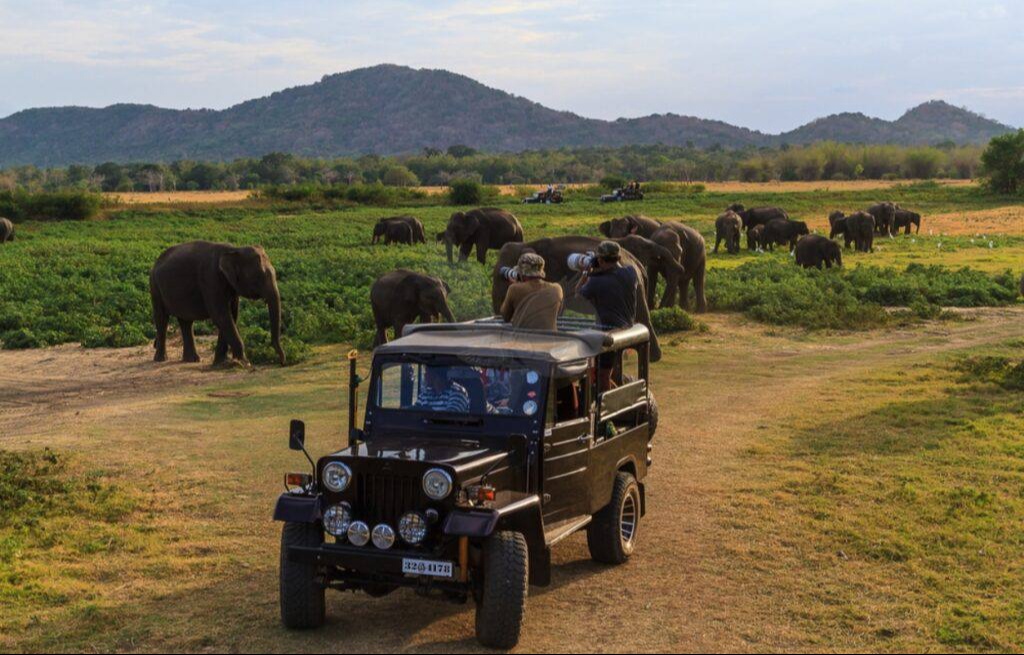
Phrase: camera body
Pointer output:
(581, 261)
(510, 273)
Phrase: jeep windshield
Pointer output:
(457, 387)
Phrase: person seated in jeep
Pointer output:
(439, 393)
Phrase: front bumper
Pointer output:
(368, 565)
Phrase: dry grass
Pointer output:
(179, 197)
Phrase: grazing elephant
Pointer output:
(755, 238)
(381, 229)
(400, 297)
(728, 227)
(657, 260)
(860, 231)
(904, 219)
(837, 223)
(485, 228)
(814, 250)
(203, 280)
(885, 216)
(556, 251)
(393, 232)
(6, 230)
(781, 232)
(694, 253)
(757, 215)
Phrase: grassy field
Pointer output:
(814, 490)
(94, 286)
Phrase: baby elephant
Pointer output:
(815, 251)
(6, 230)
(755, 238)
(727, 228)
(781, 231)
(399, 229)
(401, 296)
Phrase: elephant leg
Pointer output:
(652, 286)
(718, 240)
(399, 326)
(188, 339)
(464, 251)
(160, 320)
(228, 330)
(481, 251)
(221, 353)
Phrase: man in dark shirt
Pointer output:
(612, 289)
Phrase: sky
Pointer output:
(767, 65)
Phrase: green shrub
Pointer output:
(674, 319)
(49, 206)
(465, 192)
(612, 182)
(992, 369)
(1002, 163)
(259, 350)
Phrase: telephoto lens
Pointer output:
(510, 273)
(581, 261)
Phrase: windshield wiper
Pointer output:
(454, 420)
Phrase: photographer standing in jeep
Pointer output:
(531, 303)
(612, 289)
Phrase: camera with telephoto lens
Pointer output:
(509, 273)
(582, 261)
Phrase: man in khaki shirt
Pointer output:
(532, 303)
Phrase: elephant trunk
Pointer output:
(273, 298)
(448, 247)
(446, 313)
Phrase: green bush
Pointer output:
(259, 350)
(49, 206)
(465, 192)
(991, 369)
(1002, 163)
(674, 319)
(612, 182)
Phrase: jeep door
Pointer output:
(567, 443)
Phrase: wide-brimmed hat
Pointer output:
(530, 265)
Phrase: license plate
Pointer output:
(427, 567)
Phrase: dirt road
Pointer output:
(702, 579)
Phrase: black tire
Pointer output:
(612, 535)
(499, 613)
(302, 594)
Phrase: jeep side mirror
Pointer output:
(297, 435)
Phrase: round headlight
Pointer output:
(337, 476)
(412, 528)
(383, 536)
(437, 484)
(337, 519)
(359, 534)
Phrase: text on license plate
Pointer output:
(427, 567)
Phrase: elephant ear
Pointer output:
(230, 265)
(447, 289)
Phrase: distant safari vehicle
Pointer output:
(482, 447)
(624, 195)
(549, 196)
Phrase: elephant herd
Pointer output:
(655, 249)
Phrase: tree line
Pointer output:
(820, 161)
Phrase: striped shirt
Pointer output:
(454, 398)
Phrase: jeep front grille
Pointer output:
(384, 498)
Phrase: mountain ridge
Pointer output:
(391, 109)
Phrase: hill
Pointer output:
(390, 109)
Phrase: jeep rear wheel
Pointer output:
(499, 612)
(612, 535)
(302, 593)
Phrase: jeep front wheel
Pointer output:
(302, 593)
(612, 535)
(499, 612)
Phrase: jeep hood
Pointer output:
(459, 454)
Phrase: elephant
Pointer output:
(393, 232)
(381, 229)
(781, 231)
(401, 296)
(657, 260)
(694, 253)
(885, 216)
(556, 251)
(837, 224)
(487, 227)
(814, 250)
(6, 230)
(755, 238)
(203, 280)
(860, 230)
(728, 227)
(904, 219)
(757, 215)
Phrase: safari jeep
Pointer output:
(482, 447)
